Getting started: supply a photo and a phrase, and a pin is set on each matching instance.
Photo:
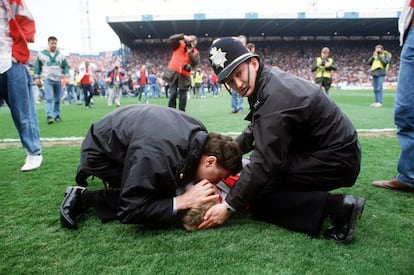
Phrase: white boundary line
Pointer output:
(6, 140)
(11, 140)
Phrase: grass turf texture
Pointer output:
(33, 242)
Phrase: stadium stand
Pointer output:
(293, 53)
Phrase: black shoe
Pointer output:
(58, 119)
(71, 207)
(344, 232)
(49, 120)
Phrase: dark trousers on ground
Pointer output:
(105, 203)
(297, 201)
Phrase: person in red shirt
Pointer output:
(184, 57)
(142, 80)
(115, 79)
(85, 75)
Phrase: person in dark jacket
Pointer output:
(147, 154)
(302, 146)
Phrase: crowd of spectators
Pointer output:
(294, 57)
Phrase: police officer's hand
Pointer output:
(199, 194)
(215, 216)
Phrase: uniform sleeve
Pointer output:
(245, 140)
(270, 142)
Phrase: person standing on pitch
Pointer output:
(86, 70)
(379, 62)
(323, 67)
(404, 106)
(184, 58)
(17, 29)
(51, 65)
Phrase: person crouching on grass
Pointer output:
(302, 146)
(146, 154)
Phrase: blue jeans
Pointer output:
(404, 111)
(237, 102)
(16, 90)
(52, 97)
(143, 89)
(71, 96)
(378, 82)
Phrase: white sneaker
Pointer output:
(377, 105)
(32, 162)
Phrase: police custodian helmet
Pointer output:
(226, 54)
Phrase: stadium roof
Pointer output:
(132, 31)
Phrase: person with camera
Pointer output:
(323, 67)
(115, 78)
(379, 62)
(184, 57)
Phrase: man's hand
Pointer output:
(37, 81)
(216, 215)
(197, 195)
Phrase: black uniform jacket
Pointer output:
(158, 150)
(297, 134)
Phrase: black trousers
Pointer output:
(297, 200)
(175, 92)
(105, 203)
(298, 211)
(87, 93)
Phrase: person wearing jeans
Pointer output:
(50, 64)
(15, 81)
(379, 62)
(52, 90)
(404, 106)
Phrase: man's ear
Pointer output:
(255, 63)
(210, 160)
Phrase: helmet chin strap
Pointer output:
(248, 79)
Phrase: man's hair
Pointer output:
(251, 46)
(226, 150)
(193, 217)
(325, 50)
(51, 38)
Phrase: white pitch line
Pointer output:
(11, 140)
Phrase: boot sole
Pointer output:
(356, 215)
